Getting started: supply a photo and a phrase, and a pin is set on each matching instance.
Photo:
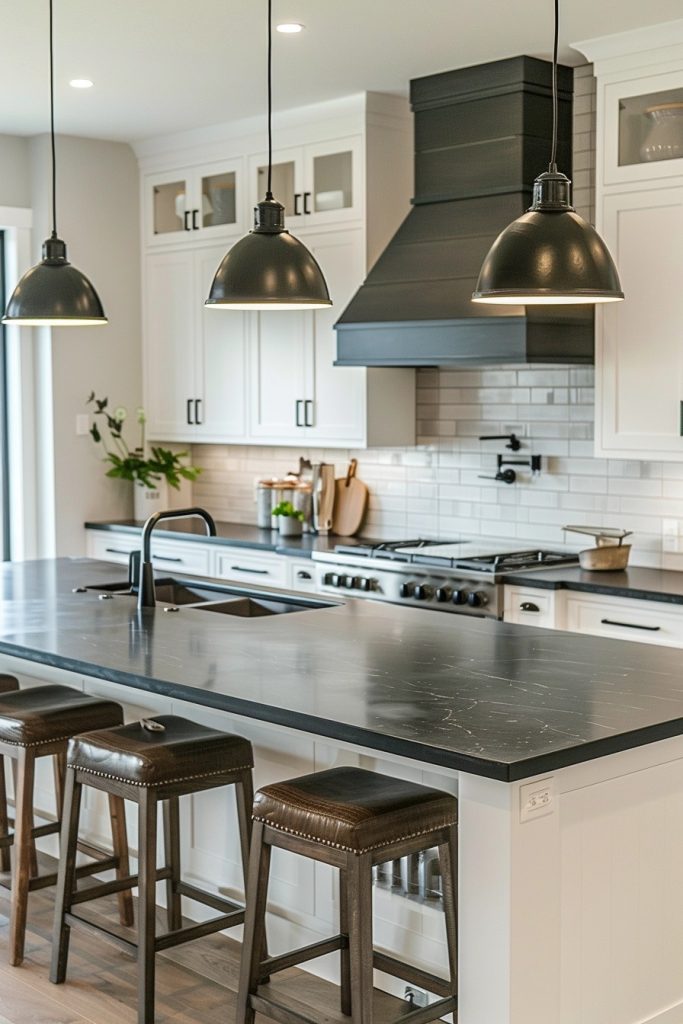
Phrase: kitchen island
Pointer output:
(566, 753)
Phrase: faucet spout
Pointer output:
(146, 594)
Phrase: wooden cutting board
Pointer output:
(350, 502)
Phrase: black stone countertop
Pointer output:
(240, 535)
(664, 585)
(482, 696)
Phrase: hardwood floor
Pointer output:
(196, 983)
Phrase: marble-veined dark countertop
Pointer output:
(482, 696)
(665, 585)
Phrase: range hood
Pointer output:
(482, 134)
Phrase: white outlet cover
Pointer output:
(536, 799)
(82, 424)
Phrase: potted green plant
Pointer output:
(290, 519)
(152, 471)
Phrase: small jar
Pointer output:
(664, 140)
(264, 505)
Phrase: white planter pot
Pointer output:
(148, 500)
(289, 526)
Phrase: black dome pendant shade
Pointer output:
(269, 268)
(54, 293)
(550, 254)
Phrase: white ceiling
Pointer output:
(166, 65)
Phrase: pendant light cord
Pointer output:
(553, 152)
(268, 194)
(52, 131)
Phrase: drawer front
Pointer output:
(301, 575)
(530, 607)
(168, 556)
(247, 567)
(647, 622)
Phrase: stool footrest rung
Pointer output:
(38, 832)
(276, 1011)
(209, 899)
(406, 972)
(198, 931)
(96, 892)
(299, 956)
(98, 929)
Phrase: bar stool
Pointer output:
(7, 685)
(158, 759)
(38, 723)
(351, 819)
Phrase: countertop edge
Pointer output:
(534, 581)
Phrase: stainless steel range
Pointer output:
(464, 577)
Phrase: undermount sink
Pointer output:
(242, 602)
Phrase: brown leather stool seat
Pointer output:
(350, 819)
(151, 763)
(178, 751)
(354, 810)
(35, 723)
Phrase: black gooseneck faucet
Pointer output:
(146, 594)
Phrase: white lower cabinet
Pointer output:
(246, 565)
(168, 556)
(529, 606)
(646, 622)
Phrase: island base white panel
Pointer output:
(573, 915)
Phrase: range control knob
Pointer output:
(332, 579)
(459, 596)
(476, 599)
(443, 594)
(406, 589)
(348, 582)
(364, 583)
(422, 592)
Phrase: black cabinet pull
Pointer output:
(254, 572)
(529, 606)
(195, 225)
(297, 412)
(308, 412)
(297, 197)
(303, 575)
(117, 551)
(197, 412)
(188, 411)
(630, 625)
(186, 217)
(307, 196)
(165, 558)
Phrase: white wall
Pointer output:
(98, 217)
(15, 185)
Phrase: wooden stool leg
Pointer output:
(59, 771)
(172, 848)
(33, 856)
(119, 836)
(254, 924)
(448, 859)
(66, 879)
(359, 902)
(5, 859)
(147, 875)
(244, 795)
(23, 847)
(344, 930)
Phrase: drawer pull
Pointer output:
(255, 572)
(529, 606)
(629, 625)
(165, 558)
(303, 575)
(117, 551)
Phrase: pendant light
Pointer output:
(54, 293)
(269, 268)
(550, 254)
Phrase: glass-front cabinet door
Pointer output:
(194, 203)
(643, 129)
(333, 181)
(287, 183)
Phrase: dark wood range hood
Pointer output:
(482, 134)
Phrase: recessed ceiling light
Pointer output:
(80, 83)
(290, 27)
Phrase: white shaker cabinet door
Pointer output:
(279, 343)
(170, 318)
(221, 413)
(639, 359)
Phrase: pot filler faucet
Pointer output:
(146, 594)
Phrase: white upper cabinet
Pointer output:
(639, 210)
(343, 171)
(317, 184)
(194, 204)
(195, 359)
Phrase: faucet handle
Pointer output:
(134, 568)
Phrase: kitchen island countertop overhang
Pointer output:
(502, 701)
